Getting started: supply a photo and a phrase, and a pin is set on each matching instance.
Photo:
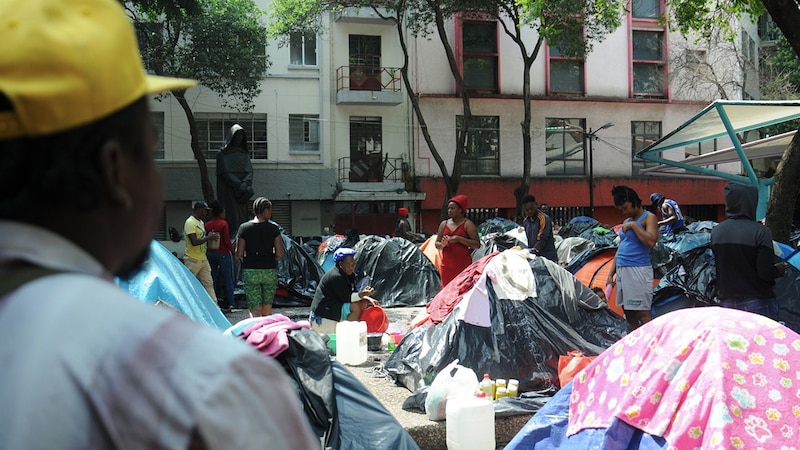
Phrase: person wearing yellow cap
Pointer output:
(85, 365)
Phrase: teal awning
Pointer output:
(725, 118)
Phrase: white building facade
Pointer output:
(335, 142)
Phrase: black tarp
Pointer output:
(298, 273)
(340, 409)
(398, 271)
(496, 225)
(525, 338)
(495, 242)
(576, 226)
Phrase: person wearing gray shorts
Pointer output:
(631, 265)
(635, 288)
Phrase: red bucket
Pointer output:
(376, 319)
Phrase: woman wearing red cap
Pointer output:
(456, 238)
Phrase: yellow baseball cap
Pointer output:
(67, 63)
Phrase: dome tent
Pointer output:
(495, 318)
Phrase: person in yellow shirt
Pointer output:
(195, 255)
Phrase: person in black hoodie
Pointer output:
(744, 255)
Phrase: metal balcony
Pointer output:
(370, 168)
(368, 85)
(363, 15)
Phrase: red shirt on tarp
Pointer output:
(219, 225)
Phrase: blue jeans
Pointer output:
(767, 307)
(222, 273)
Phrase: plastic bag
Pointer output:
(571, 364)
(453, 381)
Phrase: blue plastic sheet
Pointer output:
(547, 430)
(164, 277)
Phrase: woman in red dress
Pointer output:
(456, 238)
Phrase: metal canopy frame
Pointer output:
(726, 118)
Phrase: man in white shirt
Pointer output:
(84, 365)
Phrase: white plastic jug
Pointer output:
(470, 424)
(351, 342)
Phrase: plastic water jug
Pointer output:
(351, 342)
(470, 424)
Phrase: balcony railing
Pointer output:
(368, 85)
(364, 15)
(370, 168)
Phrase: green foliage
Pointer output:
(785, 60)
(705, 17)
(572, 26)
(170, 8)
(222, 45)
(293, 16)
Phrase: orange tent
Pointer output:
(595, 273)
(429, 249)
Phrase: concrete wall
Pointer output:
(612, 151)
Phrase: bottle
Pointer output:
(513, 387)
(486, 386)
(501, 392)
(499, 383)
(512, 391)
(351, 342)
(470, 423)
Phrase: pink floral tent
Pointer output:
(708, 378)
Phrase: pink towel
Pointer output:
(269, 335)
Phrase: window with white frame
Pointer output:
(212, 129)
(565, 146)
(158, 123)
(303, 49)
(303, 133)
(482, 153)
(643, 134)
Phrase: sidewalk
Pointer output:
(429, 435)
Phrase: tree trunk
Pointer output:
(786, 16)
(452, 182)
(525, 182)
(785, 187)
(418, 111)
(205, 182)
(783, 195)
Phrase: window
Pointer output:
(767, 29)
(303, 49)
(482, 154)
(303, 133)
(366, 149)
(479, 56)
(212, 128)
(365, 62)
(565, 149)
(643, 133)
(566, 72)
(648, 63)
(646, 9)
(158, 122)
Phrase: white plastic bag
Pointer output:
(453, 381)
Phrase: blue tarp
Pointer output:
(789, 254)
(165, 278)
(547, 430)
